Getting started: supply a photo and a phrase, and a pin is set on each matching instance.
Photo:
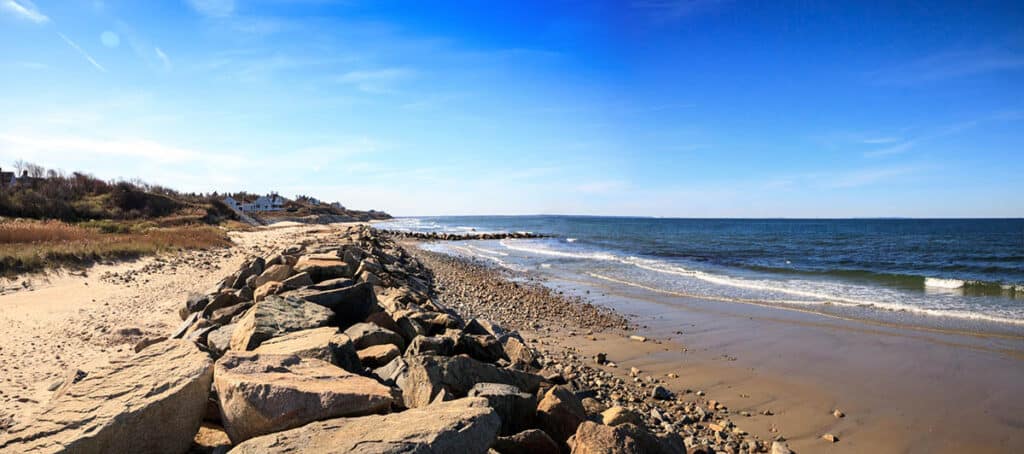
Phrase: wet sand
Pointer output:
(902, 390)
(924, 389)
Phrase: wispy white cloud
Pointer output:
(894, 149)
(253, 65)
(948, 65)
(377, 80)
(213, 8)
(163, 58)
(24, 9)
(82, 52)
(906, 145)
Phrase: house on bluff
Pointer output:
(271, 202)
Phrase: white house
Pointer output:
(231, 202)
(264, 203)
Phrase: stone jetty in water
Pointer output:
(445, 236)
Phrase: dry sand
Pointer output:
(50, 323)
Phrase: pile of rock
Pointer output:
(482, 291)
(338, 346)
(444, 236)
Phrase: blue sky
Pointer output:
(694, 108)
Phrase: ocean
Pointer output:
(936, 270)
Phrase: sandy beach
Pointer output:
(777, 374)
(899, 389)
(59, 320)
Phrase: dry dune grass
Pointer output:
(27, 246)
(35, 232)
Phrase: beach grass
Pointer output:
(29, 246)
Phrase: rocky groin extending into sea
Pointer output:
(343, 345)
(447, 236)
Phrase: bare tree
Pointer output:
(20, 166)
(36, 170)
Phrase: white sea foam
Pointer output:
(570, 240)
(943, 283)
(810, 293)
(476, 253)
(893, 307)
(554, 253)
(659, 266)
(488, 251)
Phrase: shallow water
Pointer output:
(963, 273)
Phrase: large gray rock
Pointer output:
(427, 376)
(261, 394)
(520, 355)
(365, 335)
(533, 441)
(409, 326)
(351, 304)
(592, 438)
(378, 355)
(416, 322)
(560, 413)
(322, 267)
(485, 327)
(273, 273)
(195, 303)
(275, 316)
(219, 340)
(151, 402)
(483, 347)
(466, 426)
(297, 281)
(352, 256)
(226, 315)
(620, 415)
(432, 345)
(270, 288)
(332, 284)
(326, 344)
(391, 373)
(220, 301)
(248, 270)
(516, 408)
